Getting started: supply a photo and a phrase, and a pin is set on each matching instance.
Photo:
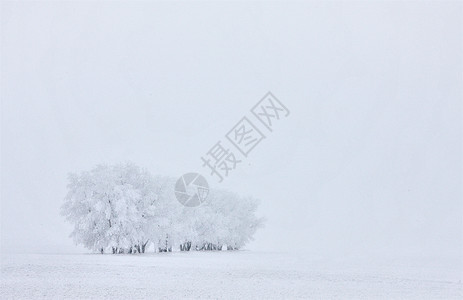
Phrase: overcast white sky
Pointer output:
(369, 160)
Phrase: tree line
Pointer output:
(124, 209)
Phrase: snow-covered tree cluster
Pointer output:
(124, 209)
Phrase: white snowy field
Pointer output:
(225, 275)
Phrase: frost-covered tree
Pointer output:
(123, 209)
(111, 207)
(165, 226)
(224, 219)
(231, 219)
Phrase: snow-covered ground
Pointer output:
(223, 275)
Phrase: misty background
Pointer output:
(369, 162)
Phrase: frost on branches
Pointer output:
(124, 209)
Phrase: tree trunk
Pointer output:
(143, 247)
